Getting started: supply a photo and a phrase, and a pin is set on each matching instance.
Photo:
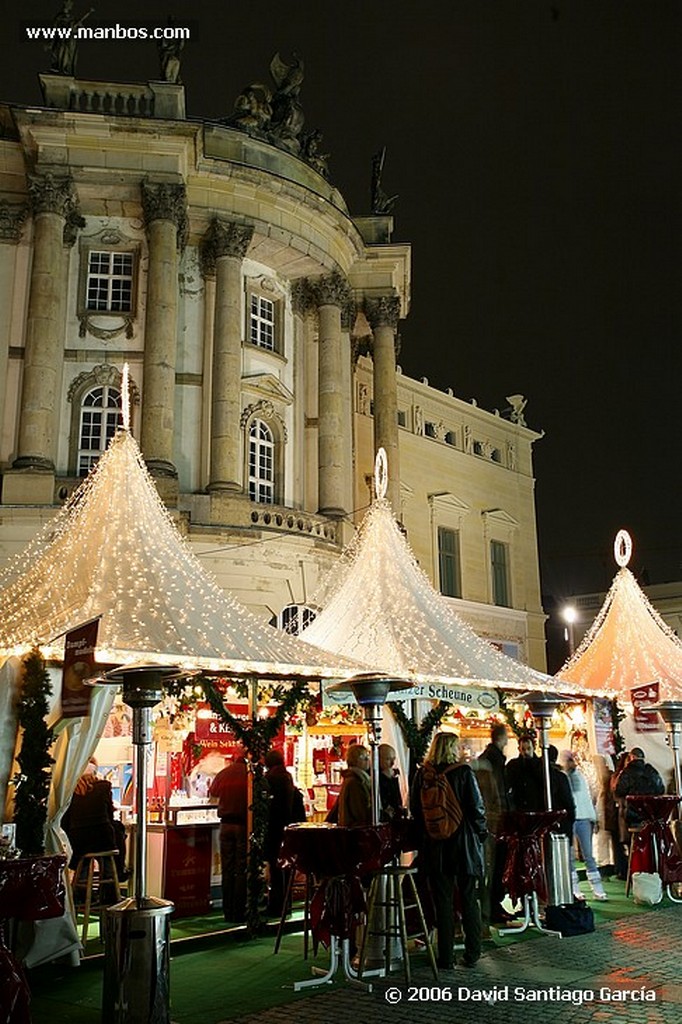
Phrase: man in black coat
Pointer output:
(283, 810)
(458, 860)
(562, 794)
(492, 760)
(524, 778)
(637, 779)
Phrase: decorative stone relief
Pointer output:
(263, 410)
(383, 312)
(164, 201)
(104, 333)
(511, 455)
(101, 375)
(418, 421)
(302, 297)
(225, 238)
(468, 441)
(12, 219)
(364, 406)
(439, 430)
(332, 290)
(49, 193)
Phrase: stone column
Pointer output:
(334, 432)
(226, 242)
(348, 315)
(12, 217)
(303, 303)
(53, 203)
(382, 315)
(164, 210)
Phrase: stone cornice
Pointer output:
(224, 238)
(332, 290)
(164, 201)
(49, 193)
(383, 312)
(12, 219)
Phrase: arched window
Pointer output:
(294, 618)
(261, 463)
(100, 415)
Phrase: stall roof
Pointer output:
(627, 646)
(114, 551)
(379, 607)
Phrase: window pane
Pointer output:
(448, 562)
(109, 286)
(500, 573)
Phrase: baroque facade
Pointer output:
(260, 323)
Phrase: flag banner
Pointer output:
(79, 666)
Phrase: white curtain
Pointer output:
(75, 744)
(10, 679)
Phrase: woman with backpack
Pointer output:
(447, 805)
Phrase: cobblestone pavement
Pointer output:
(599, 978)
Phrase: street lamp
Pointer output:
(570, 616)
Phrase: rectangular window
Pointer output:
(262, 323)
(109, 287)
(448, 562)
(499, 563)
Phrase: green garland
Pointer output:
(418, 737)
(256, 737)
(617, 716)
(32, 782)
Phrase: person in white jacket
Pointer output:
(585, 824)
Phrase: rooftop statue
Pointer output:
(382, 204)
(287, 113)
(252, 108)
(310, 151)
(64, 49)
(170, 51)
(517, 404)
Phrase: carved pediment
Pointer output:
(498, 518)
(269, 386)
(445, 502)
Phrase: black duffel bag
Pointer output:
(570, 918)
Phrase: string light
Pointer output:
(379, 607)
(628, 644)
(113, 550)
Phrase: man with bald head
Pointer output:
(389, 784)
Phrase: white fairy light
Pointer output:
(113, 551)
(381, 474)
(125, 397)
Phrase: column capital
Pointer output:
(349, 312)
(383, 312)
(165, 201)
(332, 290)
(302, 296)
(50, 193)
(12, 219)
(224, 238)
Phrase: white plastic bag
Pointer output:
(647, 889)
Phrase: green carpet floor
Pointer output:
(231, 977)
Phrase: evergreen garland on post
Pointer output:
(256, 737)
(32, 782)
(617, 716)
(418, 737)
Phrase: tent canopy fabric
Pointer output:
(113, 551)
(627, 646)
(379, 607)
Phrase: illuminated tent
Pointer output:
(113, 551)
(379, 607)
(628, 644)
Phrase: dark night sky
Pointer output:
(534, 146)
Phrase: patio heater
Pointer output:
(671, 713)
(137, 930)
(370, 691)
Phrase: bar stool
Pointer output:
(390, 881)
(85, 875)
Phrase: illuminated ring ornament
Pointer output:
(381, 473)
(622, 548)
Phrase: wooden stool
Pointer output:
(85, 874)
(390, 880)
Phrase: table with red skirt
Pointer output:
(654, 849)
(31, 889)
(524, 876)
(338, 858)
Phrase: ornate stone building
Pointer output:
(259, 320)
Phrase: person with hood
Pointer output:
(584, 825)
(637, 779)
(457, 861)
(355, 798)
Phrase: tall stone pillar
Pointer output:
(12, 217)
(53, 203)
(334, 431)
(228, 243)
(164, 209)
(382, 315)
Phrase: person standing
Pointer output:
(355, 798)
(285, 806)
(637, 779)
(494, 789)
(523, 776)
(389, 783)
(230, 787)
(584, 825)
(456, 861)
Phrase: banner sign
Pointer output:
(79, 666)
(642, 698)
(464, 696)
(603, 726)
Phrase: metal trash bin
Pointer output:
(136, 987)
(559, 870)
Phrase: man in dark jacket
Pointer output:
(492, 761)
(283, 810)
(637, 779)
(458, 860)
(230, 787)
(562, 794)
(524, 778)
